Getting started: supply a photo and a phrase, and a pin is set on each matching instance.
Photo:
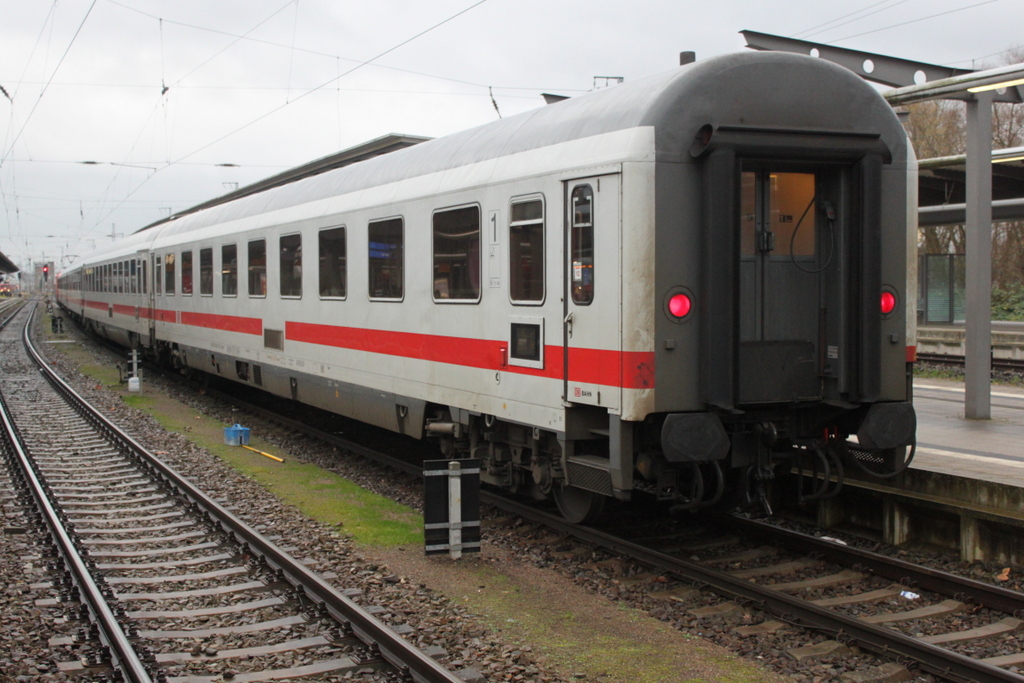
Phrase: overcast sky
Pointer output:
(176, 102)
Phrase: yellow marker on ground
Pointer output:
(272, 457)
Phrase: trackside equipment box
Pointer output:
(451, 506)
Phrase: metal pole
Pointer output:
(454, 509)
(978, 314)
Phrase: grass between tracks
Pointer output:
(581, 634)
(322, 495)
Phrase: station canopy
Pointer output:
(6, 266)
(942, 181)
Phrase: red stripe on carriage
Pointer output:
(228, 323)
(630, 370)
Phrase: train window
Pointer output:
(333, 263)
(133, 275)
(291, 265)
(258, 268)
(786, 226)
(582, 244)
(169, 274)
(387, 259)
(526, 252)
(158, 280)
(206, 271)
(457, 254)
(142, 276)
(125, 285)
(792, 213)
(186, 272)
(229, 270)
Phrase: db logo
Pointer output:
(577, 392)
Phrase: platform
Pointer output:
(990, 450)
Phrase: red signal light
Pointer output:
(888, 303)
(679, 305)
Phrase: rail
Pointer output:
(401, 654)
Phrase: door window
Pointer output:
(581, 247)
(777, 214)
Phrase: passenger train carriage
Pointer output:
(668, 285)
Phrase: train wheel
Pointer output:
(578, 506)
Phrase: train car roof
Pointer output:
(677, 103)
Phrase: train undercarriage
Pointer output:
(690, 461)
(687, 461)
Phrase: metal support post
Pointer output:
(978, 285)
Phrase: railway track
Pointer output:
(1006, 364)
(756, 578)
(853, 597)
(761, 579)
(158, 581)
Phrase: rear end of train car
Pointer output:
(785, 242)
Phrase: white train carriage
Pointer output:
(608, 293)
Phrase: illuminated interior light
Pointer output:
(679, 305)
(1003, 161)
(888, 303)
(996, 86)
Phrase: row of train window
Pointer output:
(456, 261)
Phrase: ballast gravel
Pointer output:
(438, 620)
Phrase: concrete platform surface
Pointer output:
(990, 450)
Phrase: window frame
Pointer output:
(479, 252)
(223, 292)
(369, 269)
(526, 199)
(281, 265)
(320, 255)
(170, 274)
(572, 247)
(248, 269)
(536, 322)
(210, 270)
(186, 256)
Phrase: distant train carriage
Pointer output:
(668, 285)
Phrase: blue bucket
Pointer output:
(236, 435)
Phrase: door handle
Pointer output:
(568, 324)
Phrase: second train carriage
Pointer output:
(669, 284)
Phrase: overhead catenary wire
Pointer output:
(914, 21)
(162, 102)
(830, 25)
(43, 92)
(299, 48)
(303, 95)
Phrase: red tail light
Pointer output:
(679, 305)
(888, 303)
